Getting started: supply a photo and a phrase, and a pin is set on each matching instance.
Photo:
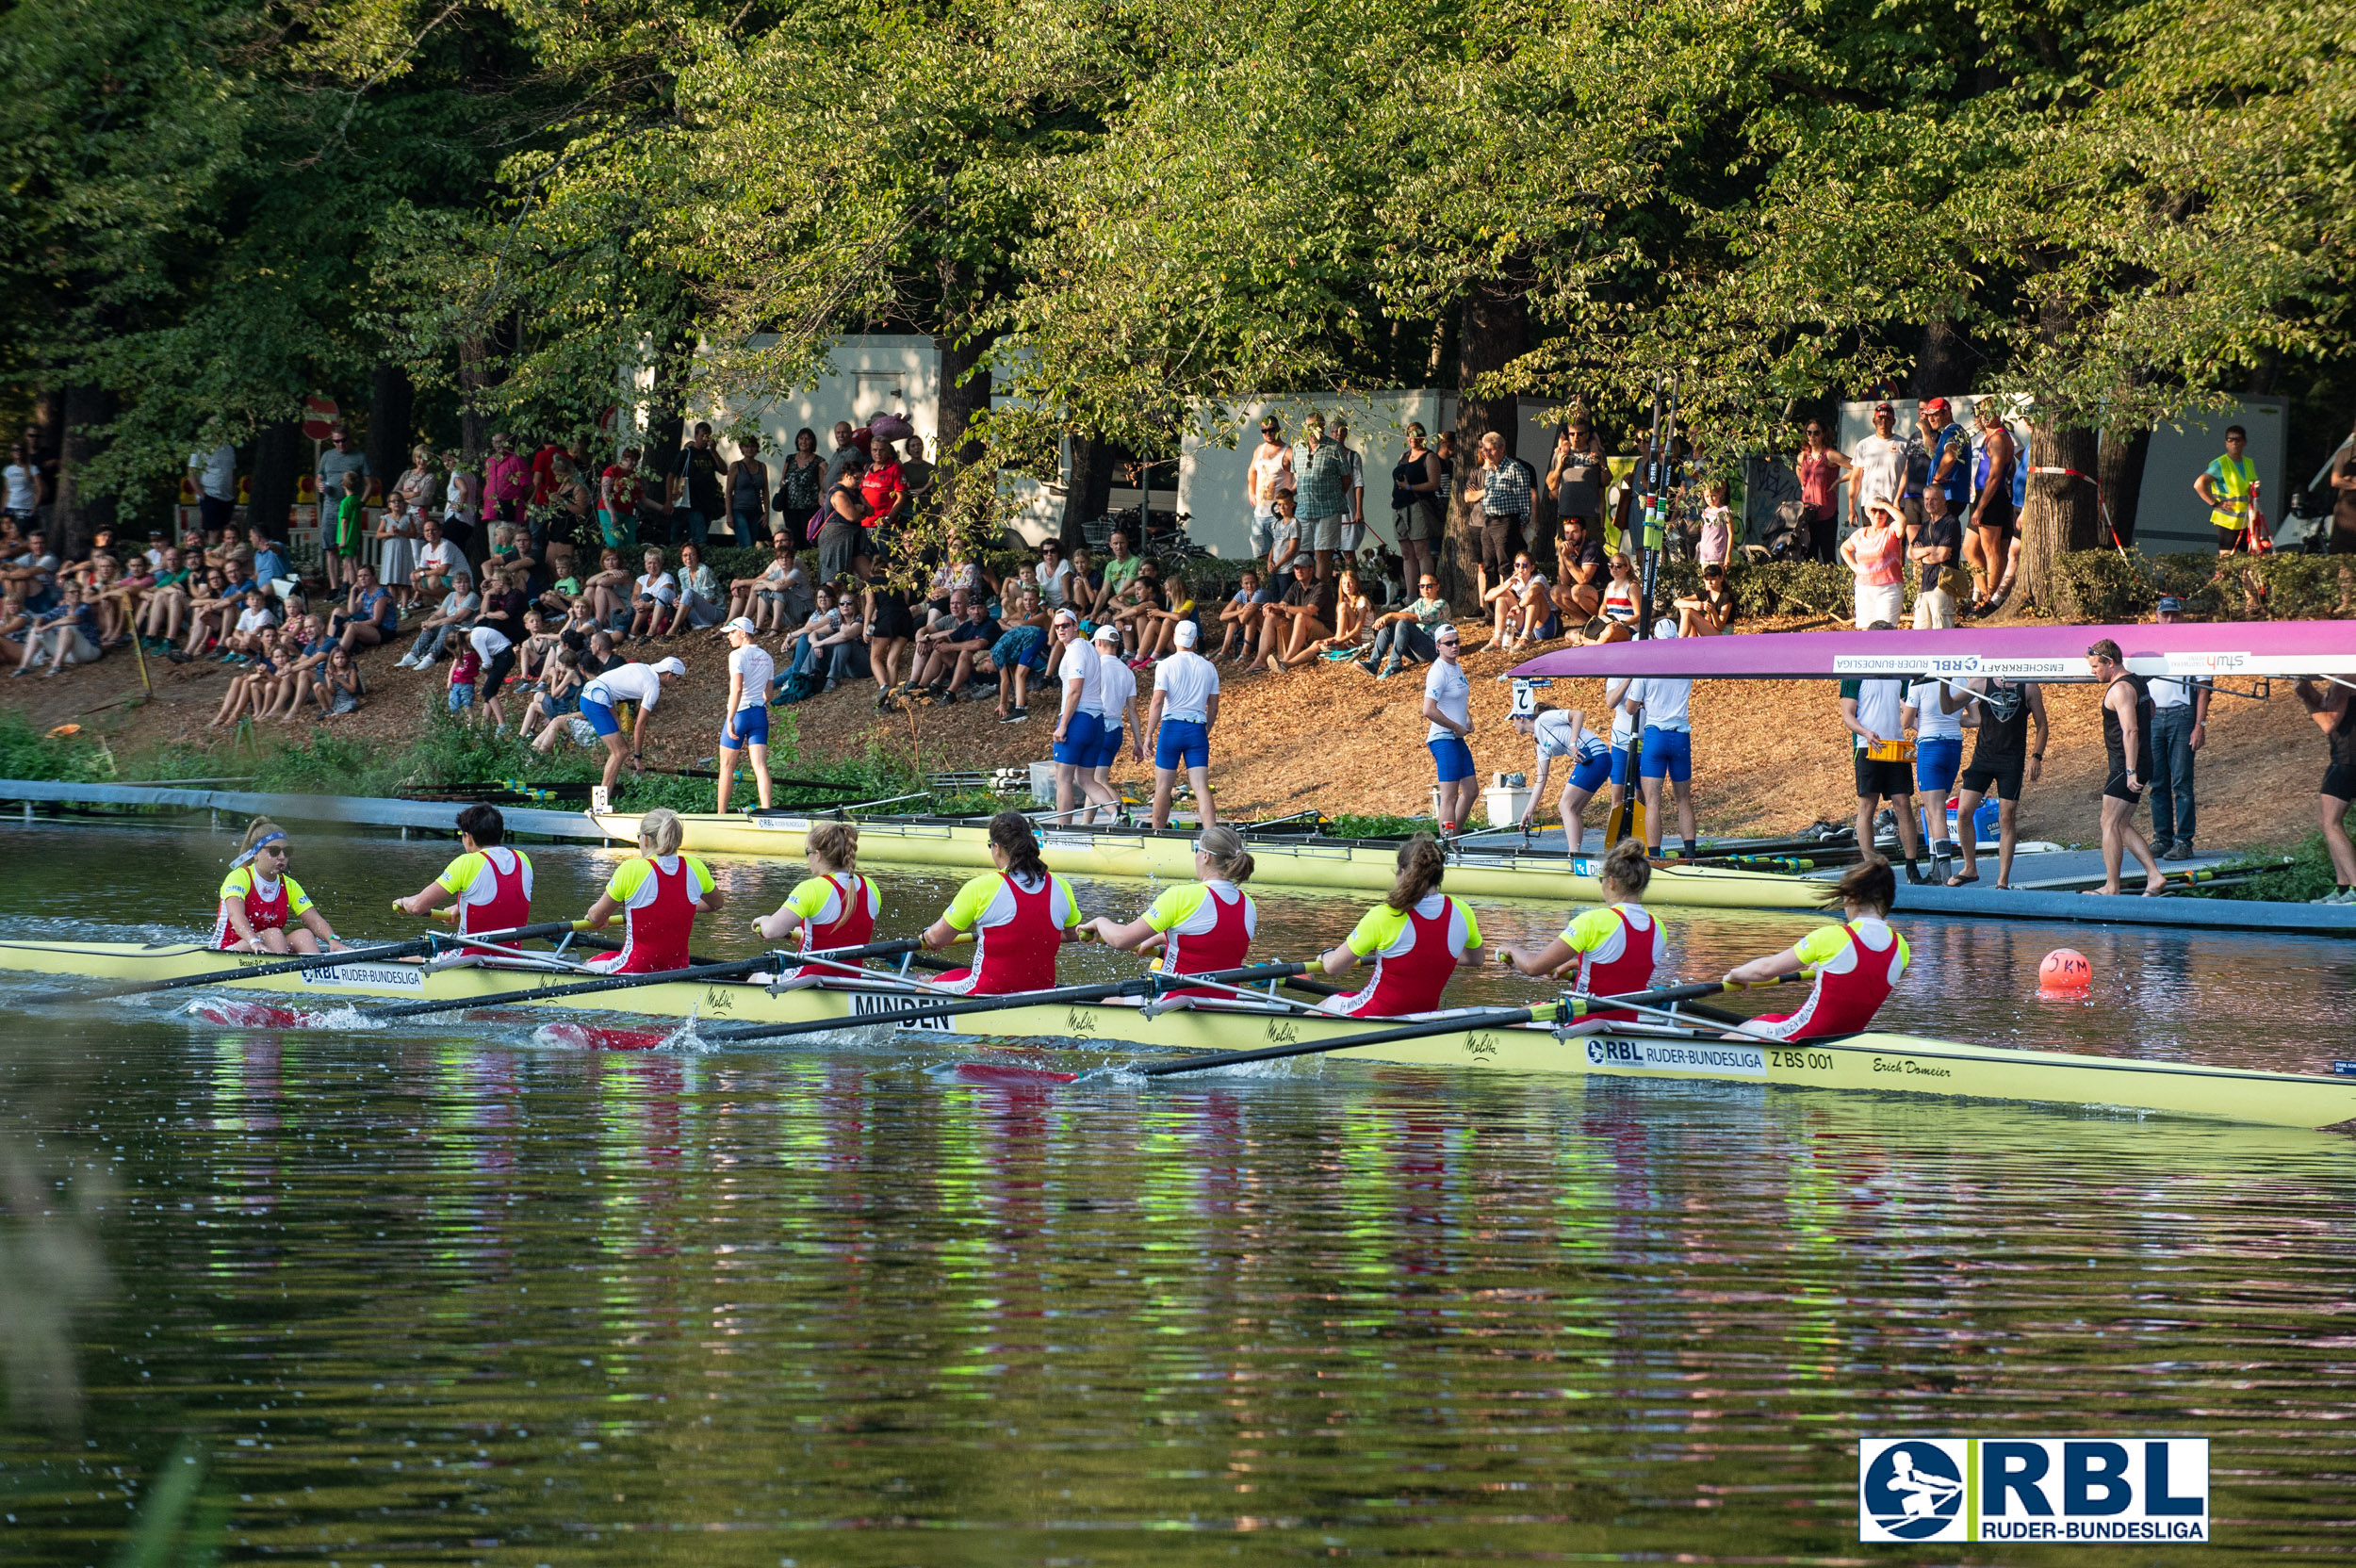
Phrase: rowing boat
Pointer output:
(1884, 1062)
(1292, 861)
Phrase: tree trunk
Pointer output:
(475, 377)
(1494, 334)
(666, 410)
(1942, 363)
(391, 403)
(77, 513)
(2119, 467)
(1089, 492)
(281, 452)
(964, 392)
(2058, 516)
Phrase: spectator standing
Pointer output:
(1321, 496)
(215, 473)
(699, 475)
(2180, 727)
(2229, 487)
(1819, 465)
(397, 535)
(342, 459)
(1418, 504)
(507, 481)
(1987, 548)
(799, 491)
(748, 494)
(419, 484)
(916, 473)
(846, 452)
(1503, 487)
(1354, 512)
(1877, 555)
(462, 499)
(23, 486)
(619, 489)
(1881, 470)
(839, 538)
(1272, 471)
(1576, 479)
(351, 525)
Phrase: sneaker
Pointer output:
(2180, 850)
(2161, 846)
(1019, 715)
(1390, 668)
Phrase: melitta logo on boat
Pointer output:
(2087, 1490)
(399, 977)
(1604, 1051)
(876, 1004)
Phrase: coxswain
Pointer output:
(1200, 925)
(638, 683)
(1020, 916)
(834, 906)
(1417, 937)
(658, 893)
(491, 882)
(258, 900)
(2334, 709)
(1616, 947)
(1856, 964)
(1563, 735)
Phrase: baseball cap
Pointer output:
(1665, 627)
(670, 666)
(1062, 615)
(1884, 407)
(1108, 633)
(1189, 634)
(1937, 405)
(742, 624)
(2170, 605)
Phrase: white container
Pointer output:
(1505, 804)
(1043, 782)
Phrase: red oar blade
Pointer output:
(1008, 1074)
(590, 1036)
(238, 1014)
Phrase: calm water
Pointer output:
(439, 1296)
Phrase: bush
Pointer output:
(25, 753)
(2309, 876)
(2109, 588)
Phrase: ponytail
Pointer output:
(1012, 832)
(1223, 847)
(662, 828)
(836, 843)
(1420, 865)
(1628, 867)
(1868, 882)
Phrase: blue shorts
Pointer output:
(1619, 765)
(1454, 758)
(1024, 644)
(601, 717)
(746, 727)
(1937, 761)
(1667, 754)
(1081, 739)
(1107, 748)
(462, 697)
(1182, 743)
(1595, 771)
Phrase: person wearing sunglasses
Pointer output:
(1407, 633)
(1200, 926)
(1447, 705)
(263, 910)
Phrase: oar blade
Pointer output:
(568, 1035)
(236, 1013)
(1009, 1075)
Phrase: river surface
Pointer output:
(439, 1295)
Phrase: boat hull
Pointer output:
(1884, 1063)
(1329, 865)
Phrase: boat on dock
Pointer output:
(1877, 1062)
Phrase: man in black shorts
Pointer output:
(2334, 709)
(2127, 737)
(1999, 756)
(1873, 709)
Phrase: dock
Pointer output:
(344, 811)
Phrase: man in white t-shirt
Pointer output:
(1938, 759)
(216, 476)
(1667, 748)
(23, 486)
(1184, 706)
(2180, 726)
(1447, 705)
(1116, 716)
(1080, 728)
(1354, 513)
(1880, 461)
(638, 683)
(747, 728)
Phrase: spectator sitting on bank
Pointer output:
(458, 609)
(1304, 614)
(699, 602)
(1241, 616)
(438, 558)
(1617, 623)
(211, 606)
(1018, 654)
(1130, 607)
(255, 621)
(67, 634)
(368, 616)
(950, 662)
(1157, 627)
(653, 600)
(250, 691)
(166, 602)
(298, 675)
(1709, 613)
(1404, 635)
(1585, 574)
(606, 593)
(1350, 606)
(1523, 606)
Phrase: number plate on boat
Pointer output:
(871, 1004)
(399, 977)
(1068, 841)
(1747, 1061)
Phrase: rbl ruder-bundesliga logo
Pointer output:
(2061, 1489)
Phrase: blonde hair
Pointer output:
(256, 832)
(1628, 867)
(662, 828)
(836, 843)
(1223, 847)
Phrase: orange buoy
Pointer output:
(2065, 973)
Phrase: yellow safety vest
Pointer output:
(2232, 479)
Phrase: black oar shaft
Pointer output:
(306, 961)
(956, 1006)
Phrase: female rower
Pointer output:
(258, 898)
(1617, 947)
(1020, 915)
(1856, 964)
(1202, 925)
(659, 894)
(834, 906)
(1560, 734)
(1416, 937)
(491, 882)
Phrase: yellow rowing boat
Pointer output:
(1335, 865)
(1884, 1062)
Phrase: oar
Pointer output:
(918, 1010)
(296, 966)
(656, 977)
(1503, 1017)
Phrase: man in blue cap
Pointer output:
(2180, 712)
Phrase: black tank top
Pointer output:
(1409, 469)
(746, 490)
(2003, 725)
(2114, 739)
(2343, 737)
